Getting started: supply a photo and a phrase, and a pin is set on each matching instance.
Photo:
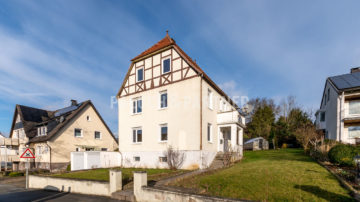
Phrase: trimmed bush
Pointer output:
(343, 154)
(15, 174)
(68, 168)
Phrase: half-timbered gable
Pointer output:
(166, 66)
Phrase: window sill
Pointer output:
(134, 114)
(164, 108)
(212, 109)
(136, 143)
(164, 73)
(78, 136)
(210, 142)
(165, 141)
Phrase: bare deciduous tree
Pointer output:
(175, 158)
(308, 136)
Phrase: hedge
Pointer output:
(343, 154)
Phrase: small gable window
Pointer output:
(166, 67)
(77, 132)
(97, 135)
(140, 74)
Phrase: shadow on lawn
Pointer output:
(322, 193)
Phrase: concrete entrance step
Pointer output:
(124, 195)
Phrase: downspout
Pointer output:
(341, 109)
(201, 111)
(50, 154)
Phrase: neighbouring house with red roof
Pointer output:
(53, 135)
(167, 100)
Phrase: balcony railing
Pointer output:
(229, 117)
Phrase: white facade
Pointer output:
(179, 107)
(339, 114)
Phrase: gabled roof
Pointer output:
(168, 42)
(32, 118)
(165, 42)
(346, 81)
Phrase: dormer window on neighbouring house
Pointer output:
(140, 74)
(166, 65)
(42, 131)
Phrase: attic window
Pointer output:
(140, 74)
(166, 67)
(88, 118)
(77, 132)
(42, 131)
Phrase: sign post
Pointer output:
(27, 155)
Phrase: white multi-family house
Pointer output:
(339, 113)
(167, 100)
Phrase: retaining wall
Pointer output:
(77, 185)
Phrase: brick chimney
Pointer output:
(355, 69)
(73, 103)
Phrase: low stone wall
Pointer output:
(78, 185)
(144, 193)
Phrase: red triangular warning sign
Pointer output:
(27, 154)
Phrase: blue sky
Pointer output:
(54, 51)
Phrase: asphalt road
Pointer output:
(13, 190)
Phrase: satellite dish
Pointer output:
(61, 119)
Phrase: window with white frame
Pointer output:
(166, 65)
(209, 132)
(163, 132)
(46, 149)
(163, 159)
(42, 131)
(210, 99)
(163, 99)
(88, 118)
(38, 150)
(354, 131)
(77, 149)
(137, 135)
(136, 158)
(137, 105)
(97, 135)
(77, 132)
(140, 74)
(354, 107)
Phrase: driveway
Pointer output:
(13, 189)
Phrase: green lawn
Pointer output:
(281, 175)
(102, 174)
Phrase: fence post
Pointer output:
(115, 180)
(140, 180)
